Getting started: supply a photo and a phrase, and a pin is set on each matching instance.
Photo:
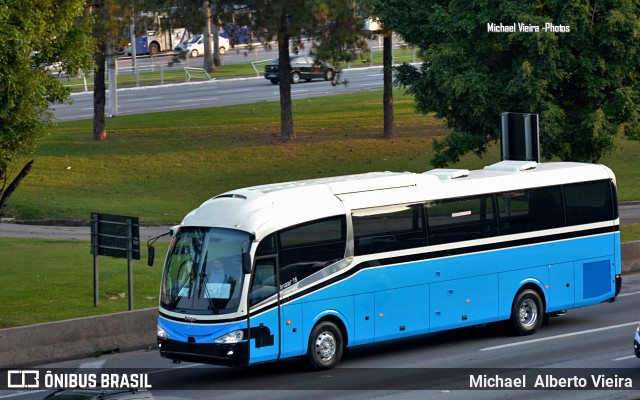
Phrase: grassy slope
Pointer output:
(160, 166)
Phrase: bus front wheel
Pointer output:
(325, 346)
(527, 312)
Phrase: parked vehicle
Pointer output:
(155, 42)
(194, 46)
(302, 67)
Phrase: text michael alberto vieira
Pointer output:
(549, 381)
(527, 28)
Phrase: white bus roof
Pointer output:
(264, 209)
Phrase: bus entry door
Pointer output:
(264, 329)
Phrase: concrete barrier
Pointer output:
(134, 330)
(630, 257)
(77, 338)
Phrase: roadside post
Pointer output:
(114, 236)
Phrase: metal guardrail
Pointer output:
(188, 71)
(253, 64)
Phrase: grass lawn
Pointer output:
(160, 166)
(52, 280)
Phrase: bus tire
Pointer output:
(326, 346)
(154, 49)
(527, 312)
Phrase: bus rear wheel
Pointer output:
(325, 346)
(527, 312)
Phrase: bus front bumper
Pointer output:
(230, 355)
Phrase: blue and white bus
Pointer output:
(309, 268)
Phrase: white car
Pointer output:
(194, 46)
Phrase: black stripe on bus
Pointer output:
(452, 252)
(200, 321)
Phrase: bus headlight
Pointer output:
(231, 337)
(162, 334)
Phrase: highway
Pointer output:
(214, 93)
(587, 341)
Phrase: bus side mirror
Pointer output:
(152, 250)
(246, 263)
(152, 254)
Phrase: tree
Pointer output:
(35, 36)
(378, 26)
(329, 27)
(580, 74)
(387, 78)
(111, 18)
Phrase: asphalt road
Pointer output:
(62, 232)
(214, 93)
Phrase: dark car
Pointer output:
(302, 67)
(636, 342)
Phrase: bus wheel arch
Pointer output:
(527, 310)
(327, 343)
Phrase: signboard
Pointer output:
(520, 137)
(111, 234)
(114, 236)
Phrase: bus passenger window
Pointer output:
(306, 249)
(588, 202)
(381, 229)
(459, 219)
(530, 210)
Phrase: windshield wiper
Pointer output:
(174, 300)
(204, 279)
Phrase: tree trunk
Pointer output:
(99, 97)
(208, 65)
(217, 61)
(387, 78)
(284, 67)
(4, 195)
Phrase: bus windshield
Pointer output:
(203, 274)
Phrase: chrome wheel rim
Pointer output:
(325, 346)
(528, 313)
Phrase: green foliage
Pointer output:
(328, 29)
(34, 35)
(582, 82)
